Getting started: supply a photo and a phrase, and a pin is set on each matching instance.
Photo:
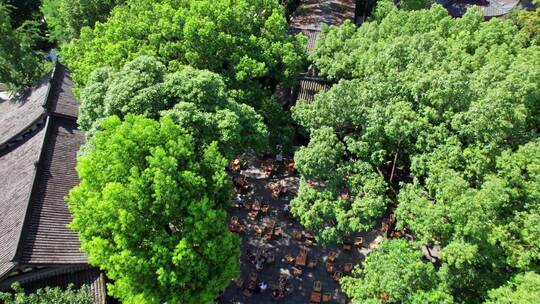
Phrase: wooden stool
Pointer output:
(239, 282)
(330, 268)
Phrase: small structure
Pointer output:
(489, 8)
(39, 141)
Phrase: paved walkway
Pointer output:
(299, 287)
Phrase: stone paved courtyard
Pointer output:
(299, 287)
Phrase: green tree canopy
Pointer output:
(528, 23)
(442, 117)
(21, 62)
(243, 40)
(197, 100)
(151, 211)
(394, 273)
(48, 295)
(66, 18)
(522, 289)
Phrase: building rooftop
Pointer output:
(39, 141)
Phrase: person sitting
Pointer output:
(286, 208)
(258, 265)
(239, 201)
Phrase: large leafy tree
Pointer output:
(395, 273)
(66, 18)
(198, 100)
(441, 115)
(486, 230)
(21, 62)
(151, 210)
(245, 41)
(528, 23)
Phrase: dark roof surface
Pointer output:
(46, 239)
(312, 36)
(17, 170)
(308, 19)
(61, 99)
(20, 114)
(310, 87)
(311, 14)
(37, 169)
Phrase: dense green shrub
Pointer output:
(48, 295)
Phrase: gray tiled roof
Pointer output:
(61, 99)
(17, 172)
(46, 238)
(309, 87)
(20, 114)
(36, 172)
(307, 19)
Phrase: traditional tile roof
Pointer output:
(61, 100)
(309, 87)
(308, 19)
(312, 35)
(37, 169)
(19, 115)
(17, 173)
(46, 238)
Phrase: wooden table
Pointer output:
(301, 260)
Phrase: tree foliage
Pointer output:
(522, 289)
(441, 115)
(21, 62)
(242, 40)
(411, 5)
(197, 100)
(246, 42)
(151, 210)
(66, 18)
(22, 10)
(528, 23)
(394, 273)
(48, 295)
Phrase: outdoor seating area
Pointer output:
(281, 261)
